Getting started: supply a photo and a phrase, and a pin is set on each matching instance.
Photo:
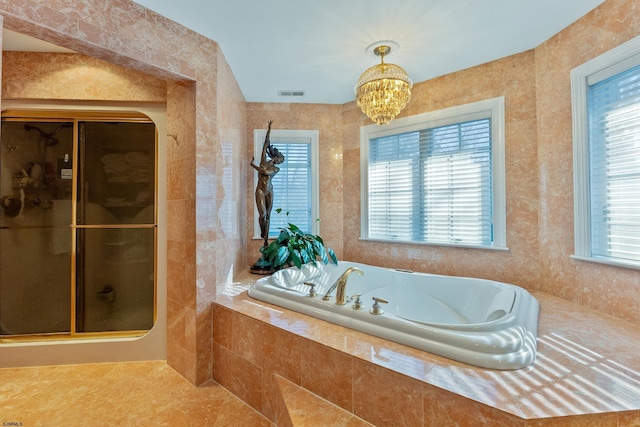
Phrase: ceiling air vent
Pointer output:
(290, 93)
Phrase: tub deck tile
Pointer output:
(587, 366)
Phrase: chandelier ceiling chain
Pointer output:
(383, 90)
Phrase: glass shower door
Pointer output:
(77, 226)
(35, 233)
(115, 231)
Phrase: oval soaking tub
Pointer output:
(475, 321)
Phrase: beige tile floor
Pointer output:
(117, 394)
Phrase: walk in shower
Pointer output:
(78, 232)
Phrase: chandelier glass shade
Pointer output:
(383, 90)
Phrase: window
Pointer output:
(606, 144)
(295, 186)
(436, 178)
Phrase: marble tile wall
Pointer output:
(539, 170)
(514, 78)
(208, 165)
(613, 290)
(536, 87)
(78, 77)
(181, 231)
(206, 160)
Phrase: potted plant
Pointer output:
(294, 247)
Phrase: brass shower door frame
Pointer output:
(75, 117)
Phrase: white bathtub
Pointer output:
(475, 321)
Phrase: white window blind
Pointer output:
(292, 188)
(614, 165)
(433, 185)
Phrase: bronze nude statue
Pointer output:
(267, 169)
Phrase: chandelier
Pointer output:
(383, 90)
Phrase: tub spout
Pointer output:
(341, 286)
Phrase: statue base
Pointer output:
(262, 267)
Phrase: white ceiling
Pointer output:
(318, 46)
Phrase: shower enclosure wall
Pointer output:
(78, 225)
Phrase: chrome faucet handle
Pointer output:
(312, 291)
(357, 305)
(375, 308)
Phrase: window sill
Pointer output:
(449, 245)
(607, 261)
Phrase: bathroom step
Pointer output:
(299, 407)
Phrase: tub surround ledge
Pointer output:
(587, 369)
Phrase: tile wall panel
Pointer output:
(539, 177)
(609, 289)
(160, 61)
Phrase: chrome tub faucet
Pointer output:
(341, 286)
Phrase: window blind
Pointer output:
(614, 165)
(432, 185)
(292, 188)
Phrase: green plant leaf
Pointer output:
(282, 257)
(293, 246)
(332, 254)
(295, 257)
(270, 251)
(283, 236)
(304, 255)
(323, 256)
(294, 228)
